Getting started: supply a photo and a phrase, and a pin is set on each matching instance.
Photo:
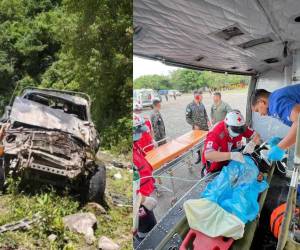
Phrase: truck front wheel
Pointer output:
(95, 185)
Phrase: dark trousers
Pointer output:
(147, 221)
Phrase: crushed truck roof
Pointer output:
(30, 112)
(60, 94)
(235, 36)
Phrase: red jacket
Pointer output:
(146, 139)
(218, 139)
(144, 169)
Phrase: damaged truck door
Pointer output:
(48, 141)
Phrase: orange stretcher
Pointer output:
(169, 151)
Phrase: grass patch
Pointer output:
(118, 224)
(53, 206)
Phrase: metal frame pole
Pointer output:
(291, 199)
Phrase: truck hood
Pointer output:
(35, 114)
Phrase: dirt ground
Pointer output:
(173, 111)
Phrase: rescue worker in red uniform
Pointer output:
(143, 175)
(142, 166)
(146, 142)
(225, 139)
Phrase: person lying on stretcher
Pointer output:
(224, 140)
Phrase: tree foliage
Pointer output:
(27, 43)
(187, 80)
(83, 45)
(152, 82)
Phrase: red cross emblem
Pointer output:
(239, 119)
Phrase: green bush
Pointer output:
(75, 45)
(45, 201)
(118, 137)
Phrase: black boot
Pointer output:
(199, 158)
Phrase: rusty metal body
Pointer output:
(51, 134)
(49, 151)
(21, 224)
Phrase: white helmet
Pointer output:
(138, 127)
(235, 123)
(137, 106)
(137, 121)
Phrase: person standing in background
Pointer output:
(158, 123)
(164, 92)
(174, 94)
(196, 116)
(219, 109)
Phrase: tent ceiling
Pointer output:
(185, 32)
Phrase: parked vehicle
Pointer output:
(252, 38)
(145, 97)
(178, 93)
(163, 92)
(52, 139)
(172, 92)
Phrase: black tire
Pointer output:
(96, 185)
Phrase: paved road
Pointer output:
(173, 111)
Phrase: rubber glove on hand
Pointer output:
(274, 141)
(249, 148)
(237, 156)
(275, 154)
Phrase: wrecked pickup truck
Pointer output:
(52, 139)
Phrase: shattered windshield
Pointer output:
(76, 110)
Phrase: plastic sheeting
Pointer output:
(209, 218)
(236, 189)
(228, 202)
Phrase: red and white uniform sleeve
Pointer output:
(249, 133)
(148, 124)
(211, 143)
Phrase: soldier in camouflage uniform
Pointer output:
(219, 109)
(196, 114)
(197, 117)
(158, 123)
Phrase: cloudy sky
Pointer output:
(149, 67)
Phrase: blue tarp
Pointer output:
(236, 189)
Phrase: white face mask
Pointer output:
(232, 134)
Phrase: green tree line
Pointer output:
(82, 45)
(187, 80)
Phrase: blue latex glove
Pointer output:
(275, 154)
(274, 141)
